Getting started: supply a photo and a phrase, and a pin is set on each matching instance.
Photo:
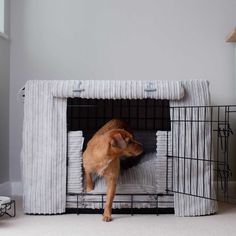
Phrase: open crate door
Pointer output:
(200, 152)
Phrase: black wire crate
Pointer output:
(140, 114)
(200, 151)
(145, 117)
(199, 148)
(83, 206)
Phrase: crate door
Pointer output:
(199, 152)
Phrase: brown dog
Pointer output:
(102, 154)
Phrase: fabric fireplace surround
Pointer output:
(44, 150)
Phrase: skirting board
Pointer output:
(15, 188)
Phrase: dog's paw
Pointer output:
(106, 218)
(89, 189)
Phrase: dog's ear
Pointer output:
(118, 141)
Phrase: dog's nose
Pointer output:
(140, 148)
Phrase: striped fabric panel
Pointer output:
(114, 89)
(74, 169)
(186, 205)
(138, 179)
(44, 150)
(161, 164)
(44, 135)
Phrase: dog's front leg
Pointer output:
(111, 191)
(89, 185)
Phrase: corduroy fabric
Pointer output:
(199, 134)
(45, 138)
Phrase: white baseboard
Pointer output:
(15, 188)
(5, 188)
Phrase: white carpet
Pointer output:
(222, 223)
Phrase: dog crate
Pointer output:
(188, 147)
(145, 117)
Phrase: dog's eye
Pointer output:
(129, 141)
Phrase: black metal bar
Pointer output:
(214, 106)
(198, 133)
(102, 200)
(122, 194)
(172, 147)
(104, 111)
(225, 159)
(128, 201)
(162, 113)
(191, 151)
(112, 109)
(204, 152)
(14, 208)
(184, 144)
(227, 155)
(143, 211)
(137, 114)
(77, 202)
(211, 146)
(120, 109)
(67, 159)
(217, 156)
(195, 195)
(129, 113)
(145, 119)
(151, 119)
(153, 115)
(178, 150)
(195, 159)
(132, 202)
(167, 161)
(96, 112)
(157, 204)
(191, 106)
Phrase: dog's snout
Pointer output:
(138, 148)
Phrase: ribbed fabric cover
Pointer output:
(111, 89)
(44, 150)
(74, 168)
(45, 138)
(197, 95)
(149, 176)
(138, 179)
(161, 164)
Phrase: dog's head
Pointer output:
(122, 143)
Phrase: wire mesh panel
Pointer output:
(140, 114)
(145, 117)
(199, 140)
(199, 151)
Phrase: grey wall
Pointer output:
(4, 100)
(125, 39)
